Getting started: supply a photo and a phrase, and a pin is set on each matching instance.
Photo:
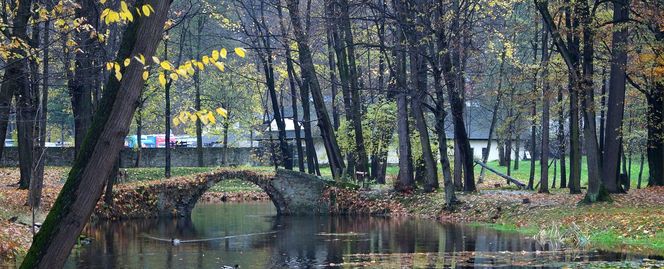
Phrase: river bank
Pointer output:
(634, 222)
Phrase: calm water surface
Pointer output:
(310, 242)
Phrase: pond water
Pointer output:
(252, 236)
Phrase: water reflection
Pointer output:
(305, 242)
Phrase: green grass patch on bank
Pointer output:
(235, 185)
(602, 226)
(154, 173)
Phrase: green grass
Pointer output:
(234, 185)
(153, 173)
(523, 173)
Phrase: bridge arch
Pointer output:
(291, 192)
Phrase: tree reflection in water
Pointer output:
(302, 242)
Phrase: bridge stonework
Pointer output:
(293, 193)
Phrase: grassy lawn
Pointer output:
(523, 173)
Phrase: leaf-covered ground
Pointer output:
(632, 222)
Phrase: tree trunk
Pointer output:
(344, 77)
(602, 118)
(405, 178)
(616, 104)
(561, 140)
(224, 157)
(291, 83)
(418, 75)
(596, 191)
(448, 184)
(112, 179)
(36, 185)
(544, 157)
(268, 71)
(517, 150)
(461, 137)
(82, 84)
(356, 102)
(508, 154)
(139, 132)
(309, 147)
(309, 75)
(570, 52)
(494, 115)
(638, 184)
(406, 181)
(655, 129)
(15, 82)
(501, 153)
(167, 120)
(533, 115)
(75, 203)
(25, 120)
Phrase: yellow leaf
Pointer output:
(173, 76)
(240, 52)
(146, 10)
(141, 59)
(215, 55)
(109, 65)
(182, 72)
(123, 6)
(200, 66)
(118, 75)
(203, 119)
(165, 65)
(192, 116)
(220, 66)
(222, 112)
(128, 16)
(146, 74)
(211, 118)
(102, 2)
(184, 115)
(224, 53)
(102, 16)
(206, 59)
(176, 122)
(113, 17)
(127, 62)
(155, 59)
(162, 79)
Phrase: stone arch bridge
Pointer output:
(293, 193)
